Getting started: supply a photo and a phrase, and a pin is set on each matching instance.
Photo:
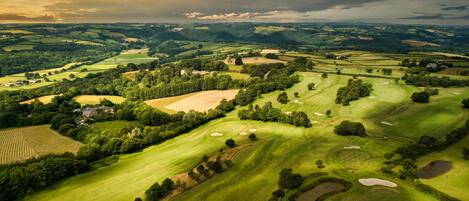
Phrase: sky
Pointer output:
(438, 12)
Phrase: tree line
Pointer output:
(267, 113)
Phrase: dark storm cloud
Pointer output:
(21, 18)
(457, 8)
(131, 10)
(424, 17)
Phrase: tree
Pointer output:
(230, 143)
(138, 199)
(320, 164)
(156, 192)
(324, 75)
(71, 76)
(328, 113)
(346, 128)
(465, 153)
(296, 94)
(289, 180)
(465, 103)
(252, 137)
(283, 98)
(421, 97)
(311, 86)
(239, 61)
(309, 65)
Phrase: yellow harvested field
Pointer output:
(42, 99)
(198, 101)
(96, 99)
(416, 43)
(19, 144)
(272, 51)
(256, 60)
(136, 51)
(130, 40)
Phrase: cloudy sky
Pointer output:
(442, 12)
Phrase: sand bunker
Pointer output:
(352, 147)
(253, 130)
(243, 133)
(216, 134)
(377, 182)
(288, 113)
(371, 97)
(386, 123)
(299, 102)
(318, 114)
(434, 169)
(314, 122)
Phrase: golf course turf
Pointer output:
(254, 175)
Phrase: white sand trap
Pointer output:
(375, 182)
(371, 97)
(253, 130)
(386, 123)
(243, 133)
(314, 122)
(299, 102)
(318, 114)
(216, 134)
(352, 147)
(288, 113)
(385, 83)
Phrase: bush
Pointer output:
(346, 128)
(465, 103)
(283, 98)
(465, 153)
(239, 61)
(311, 86)
(157, 191)
(421, 97)
(252, 137)
(289, 180)
(230, 143)
(324, 75)
(320, 164)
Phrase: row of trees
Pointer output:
(355, 89)
(267, 113)
(433, 81)
(425, 145)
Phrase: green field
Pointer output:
(279, 146)
(110, 63)
(96, 99)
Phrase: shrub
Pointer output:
(320, 164)
(465, 153)
(157, 191)
(283, 98)
(421, 97)
(465, 103)
(239, 61)
(324, 75)
(328, 113)
(289, 180)
(311, 86)
(230, 143)
(346, 128)
(252, 137)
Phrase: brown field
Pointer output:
(19, 144)
(416, 43)
(198, 101)
(257, 60)
(136, 51)
(42, 99)
(453, 71)
(96, 99)
(267, 51)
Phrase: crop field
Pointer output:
(279, 146)
(236, 75)
(19, 144)
(42, 99)
(95, 99)
(130, 56)
(198, 101)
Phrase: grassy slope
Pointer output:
(455, 182)
(254, 175)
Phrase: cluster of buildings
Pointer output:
(20, 83)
